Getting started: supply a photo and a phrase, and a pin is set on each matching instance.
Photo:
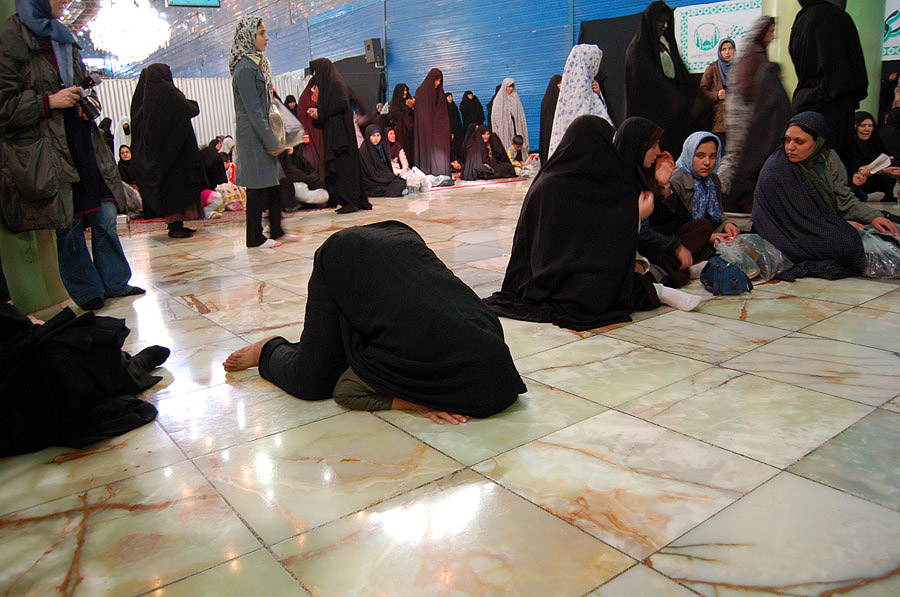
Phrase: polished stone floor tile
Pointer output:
(536, 413)
(790, 537)
(250, 295)
(175, 335)
(606, 370)
(849, 291)
(282, 269)
(235, 412)
(778, 311)
(262, 317)
(697, 336)
(869, 327)
(632, 484)
(525, 338)
(773, 422)
(257, 573)
(293, 481)
(662, 400)
(851, 371)
(885, 302)
(53, 473)
(297, 284)
(863, 460)
(123, 538)
(461, 535)
(638, 581)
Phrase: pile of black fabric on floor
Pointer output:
(68, 382)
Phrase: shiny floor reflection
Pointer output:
(747, 448)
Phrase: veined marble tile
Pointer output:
(195, 368)
(123, 538)
(851, 371)
(174, 335)
(893, 405)
(290, 333)
(483, 236)
(257, 573)
(268, 271)
(779, 311)
(869, 327)
(473, 276)
(770, 421)
(298, 479)
(153, 309)
(204, 283)
(494, 264)
(525, 338)
(885, 302)
(261, 318)
(606, 370)
(789, 537)
(632, 484)
(849, 291)
(52, 473)
(235, 297)
(297, 284)
(539, 411)
(231, 413)
(862, 460)
(650, 405)
(461, 535)
(697, 336)
(638, 581)
(467, 253)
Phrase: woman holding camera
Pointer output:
(57, 171)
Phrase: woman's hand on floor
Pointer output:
(884, 225)
(438, 416)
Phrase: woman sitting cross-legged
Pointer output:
(804, 207)
(395, 330)
(574, 258)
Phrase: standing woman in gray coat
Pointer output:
(255, 143)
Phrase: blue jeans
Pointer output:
(108, 274)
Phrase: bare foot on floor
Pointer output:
(246, 357)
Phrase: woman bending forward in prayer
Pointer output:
(398, 330)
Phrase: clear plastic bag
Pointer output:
(882, 256)
(287, 129)
(754, 255)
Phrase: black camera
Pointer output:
(89, 102)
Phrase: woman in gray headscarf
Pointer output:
(256, 145)
(508, 115)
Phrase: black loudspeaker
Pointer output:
(374, 53)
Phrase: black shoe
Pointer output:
(151, 357)
(180, 233)
(186, 229)
(93, 304)
(135, 291)
(347, 209)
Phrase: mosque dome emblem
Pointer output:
(706, 36)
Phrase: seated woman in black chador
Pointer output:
(68, 383)
(378, 176)
(485, 157)
(804, 207)
(421, 340)
(574, 257)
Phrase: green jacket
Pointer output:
(36, 167)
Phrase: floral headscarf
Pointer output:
(576, 96)
(244, 44)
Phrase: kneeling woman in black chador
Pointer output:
(421, 340)
(574, 260)
(378, 176)
(485, 156)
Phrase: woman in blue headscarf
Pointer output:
(63, 176)
(714, 84)
(697, 185)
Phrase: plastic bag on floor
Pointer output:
(882, 255)
(754, 255)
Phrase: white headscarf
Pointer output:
(576, 96)
(120, 138)
(506, 108)
(244, 44)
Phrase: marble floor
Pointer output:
(750, 447)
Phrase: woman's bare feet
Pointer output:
(246, 357)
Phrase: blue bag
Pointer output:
(721, 277)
